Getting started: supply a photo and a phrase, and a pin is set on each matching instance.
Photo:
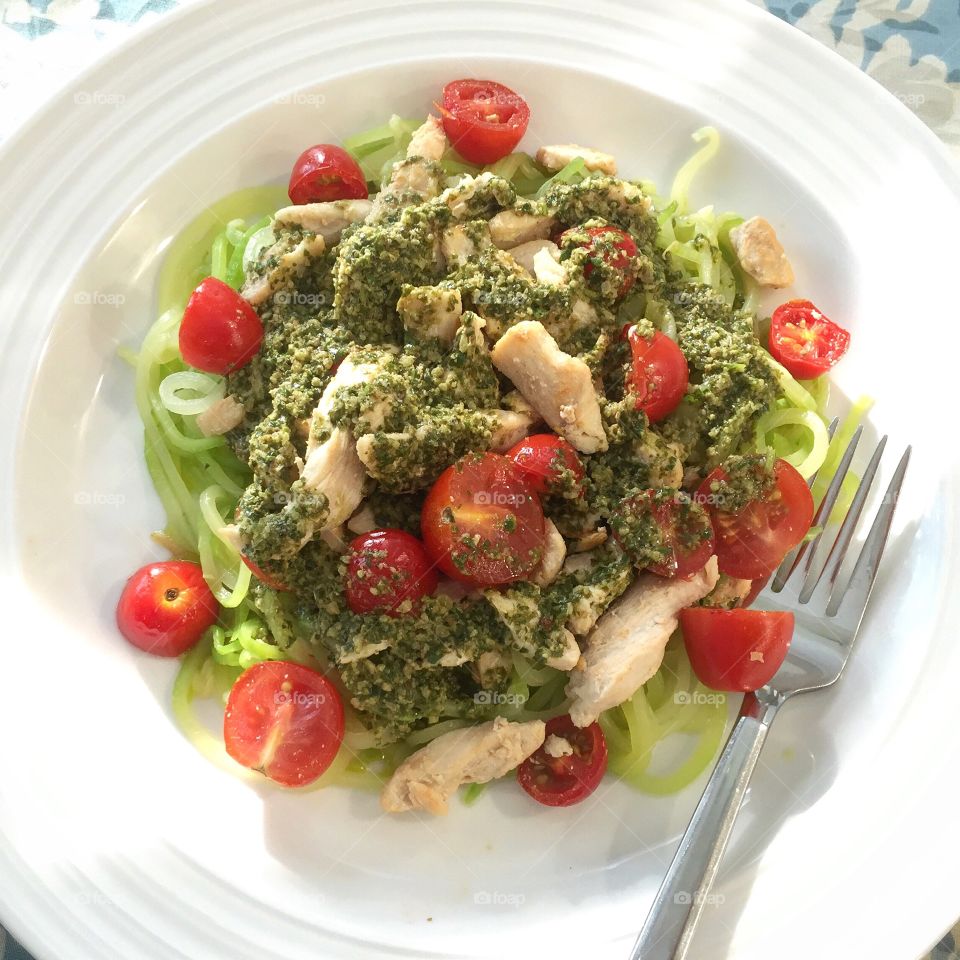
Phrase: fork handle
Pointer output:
(676, 910)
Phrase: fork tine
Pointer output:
(823, 514)
(834, 561)
(791, 560)
(856, 591)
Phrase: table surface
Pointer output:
(912, 47)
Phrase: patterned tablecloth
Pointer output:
(912, 47)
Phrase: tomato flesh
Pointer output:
(615, 247)
(676, 528)
(262, 574)
(284, 720)
(326, 172)
(483, 120)
(549, 463)
(482, 522)
(736, 650)
(805, 340)
(752, 541)
(220, 332)
(659, 376)
(565, 780)
(388, 571)
(165, 607)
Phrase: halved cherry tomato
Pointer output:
(326, 172)
(679, 528)
(752, 541)
(614, 246)
(805, 340)
(660, 375)
(262, 575)
(736, 650)
(548, 462)
(562, 781)
(284, 720)
(220, 331)
(165, 607)
(388, 571)
(483, 120)
(482, 522)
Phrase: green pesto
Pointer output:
(520, 608)
(744, 479)
(587, 592)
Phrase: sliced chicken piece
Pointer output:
(554, 553)
(334, 538)
(626, 648)
(511, 427)
(509, 229)
(728, 593)
(493, 667)
(600, 586)
(328, 220)
(429, 140)
(332, 467)
(473, 197)
(761, 254)
(290, 257)
(221, 417)
(429, 778)
(525, 253)
(520, 613)
(662, 460)
(457, 246)
(547, 267)
(558, 386)
(557, 156)
(431, 313)
(590, 541)
(363, 521)
(556, 747)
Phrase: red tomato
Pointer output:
(388, 571)
(483, 120)
(325, 172)
(284, 720)
(659, 376)
(562, 781)
(220, 331)
(751, 542)
(736, 650)
(804, 340)
(546, 462)
(684, 528)
(482, 522)
(620, 257)
(262, 575)
(165, 607)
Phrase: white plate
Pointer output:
(117, 839)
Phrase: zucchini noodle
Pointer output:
(680, 191)
(207, 390)
(773, 432)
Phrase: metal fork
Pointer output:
(827, 620)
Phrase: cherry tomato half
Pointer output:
(563, 781)
(751, 542)
(679, 529)
(483, 120)
(165, 607)
(736, 650)
(615, 247)
(482, 522)
(804, 340)
(388, 571)
(220, 331)
(262, 574)
(548, 463)
(326, 172)
(284, 720)
(659, 376)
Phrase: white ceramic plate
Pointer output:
(117, 839)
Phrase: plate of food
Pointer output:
(402, 439)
